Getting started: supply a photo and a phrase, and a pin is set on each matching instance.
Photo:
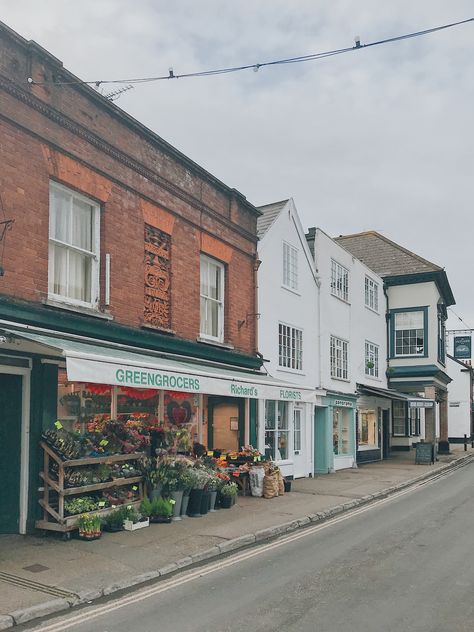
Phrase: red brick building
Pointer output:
(125, 259)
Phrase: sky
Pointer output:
(379, 139)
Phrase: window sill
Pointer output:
(290, 289)
(373, 378)
(371, 309)
(282, 369)
(78, 309)
(215, 343)
(339, 298)
(362, 448)
(340, 379)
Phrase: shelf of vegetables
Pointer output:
(93, 483)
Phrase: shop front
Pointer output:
(335, 433)
(82, 387)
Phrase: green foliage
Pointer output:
(146, 507)
(89, 524)
(81, 504)
(162, 507)
(114, 520)
(229, 489)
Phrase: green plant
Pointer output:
(188, 480)
(229, 490)
(81, 504)
(89, 524)
(213, 483)
(146, 507)
(201, 478)
(369, 364)
(114, 520)
(129, 513)
(162, 507)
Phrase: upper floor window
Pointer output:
(74, 246)
(371, 359)
(212, 299)
(441, 334)
(290, 347)
(339, 280)
(371, 294)
(290, 266)
(339, 360)
(409, 330)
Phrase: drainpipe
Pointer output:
(387, 314)
(256, 266)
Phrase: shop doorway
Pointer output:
(226, 427)
(10, 451)
(299, 443)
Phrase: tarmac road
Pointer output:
(405, 564)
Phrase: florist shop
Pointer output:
(103, 409)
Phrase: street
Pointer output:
(401, 565)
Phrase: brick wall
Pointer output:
(86, 143)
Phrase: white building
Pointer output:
(352, 356)
(460, 400)
(288, 336)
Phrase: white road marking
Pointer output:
(188, 576)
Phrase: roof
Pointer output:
(384, 256)
(269, 214)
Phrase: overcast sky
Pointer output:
(378, 139)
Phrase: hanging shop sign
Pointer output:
(416, 403)
(102, 372)
(343, 403)
(462, 347)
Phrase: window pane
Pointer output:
(214, 278)
(58, 262)
(282, 452)
(409, 320)
(270, 416)
(81, 235)
(204, 277)
(79, 277)
(60, 215)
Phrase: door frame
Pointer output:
(25, 373)
(214, 401)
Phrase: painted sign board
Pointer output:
(424, 453)
(103, 372)
(343, 403)
(420, 404)
(462, 347)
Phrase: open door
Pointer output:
(226, 427)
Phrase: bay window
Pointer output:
(409, 333)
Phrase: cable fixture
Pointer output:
(255, 66)
(460, 319)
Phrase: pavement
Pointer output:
(43, 575)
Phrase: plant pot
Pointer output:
(128, 525)
(89, 535)
(194, 505)
(287, 484)
(226, 502)
(177, 496)
(155, 492)
(212, 500)
(112, 529)
(184, 506)
(160, 519)
(205, 502)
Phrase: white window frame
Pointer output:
(290, 267)
(414, 336)
(282, 429)
(94, 254)
(396, 419)
(209, 261)
(371, 294)
(290, 347)
(372, 355)
(339, 358)
(339, 281)
(297, 430)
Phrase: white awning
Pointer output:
(96, 363)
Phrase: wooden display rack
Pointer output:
(55, 520)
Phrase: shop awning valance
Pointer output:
(117, 365)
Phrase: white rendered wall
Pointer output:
(459, 400)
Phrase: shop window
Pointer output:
(399, 419)
(339, 280)
(73, 247)
(276, 430)
(290, 347)
(409, 333)
(297, 430)
(415, 415)
(371, 359)
(371, 294)
(339, 358)
(212, 299)
(341, 431)
(368, 431)
(290, 266)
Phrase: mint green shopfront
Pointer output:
(335, 433)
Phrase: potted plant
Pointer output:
(161, 510)
(113, 521)
(227, 493)
(175, 491)
(133, 520)
(187, 482)
(201, 478)
(90, 527)
(212, 488)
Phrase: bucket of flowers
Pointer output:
(227, 495)
(90, 527)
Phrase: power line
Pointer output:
(459, 318)
(256, 66)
